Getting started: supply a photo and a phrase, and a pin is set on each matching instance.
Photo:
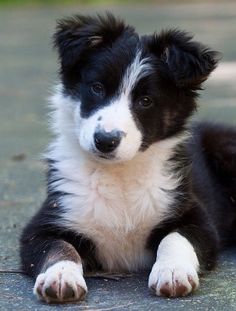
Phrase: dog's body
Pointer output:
(130, 186)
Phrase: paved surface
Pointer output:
(218, 292)
(28, 70)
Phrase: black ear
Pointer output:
(189, 62)
(75, 37)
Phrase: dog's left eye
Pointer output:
(145, 102)
(97, 88)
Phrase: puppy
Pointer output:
(130, 186)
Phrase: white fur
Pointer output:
(59, 276)
(176, 268)
(139, 68)
(115, 116)
(122, 201)
(115, 205)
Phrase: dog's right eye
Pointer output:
(98, 89)
(145, 102)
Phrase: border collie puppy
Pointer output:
(130, 185)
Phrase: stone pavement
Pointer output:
(28, 70)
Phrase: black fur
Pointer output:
(207, 204)
(43, 236)
(100, 49)
(92, 46)
(180, 66)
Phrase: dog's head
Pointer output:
(128, 91)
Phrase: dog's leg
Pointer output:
(59, 271)
(53, 255)
(187, 245)
(175, 272)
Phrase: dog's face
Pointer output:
(129, 91)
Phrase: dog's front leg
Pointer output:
(60, 277)
(175, 272)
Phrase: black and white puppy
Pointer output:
(130, 186)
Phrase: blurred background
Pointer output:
(28, 70)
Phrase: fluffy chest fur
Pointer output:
(116, 206)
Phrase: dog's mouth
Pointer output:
(104, 156)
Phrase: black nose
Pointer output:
(107, 141)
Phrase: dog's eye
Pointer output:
(97, 89)
(145, 102)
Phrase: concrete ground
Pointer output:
(28, 71)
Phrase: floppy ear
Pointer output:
(77, 36)
(189, 62)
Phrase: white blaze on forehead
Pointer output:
(139, 68)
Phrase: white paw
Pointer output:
(61, 282)
(173, 281)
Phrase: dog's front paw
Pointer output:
(173, 281)
(62, 282)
